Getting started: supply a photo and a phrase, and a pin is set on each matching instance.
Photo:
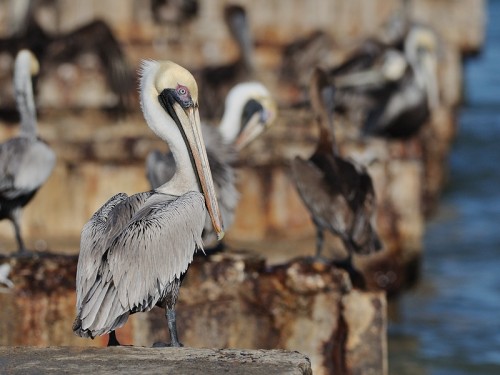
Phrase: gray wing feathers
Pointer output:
(152, 249)
(91, 248)
(98, 233)
(160, 240)
(25, 164)
(36, 166)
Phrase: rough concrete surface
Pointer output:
(140, 360)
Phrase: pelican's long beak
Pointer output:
(256, 124)
(189, 121)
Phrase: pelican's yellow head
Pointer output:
(171, 75)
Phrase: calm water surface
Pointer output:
(450, 324)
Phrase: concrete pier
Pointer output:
(229, 300)
(136, 360)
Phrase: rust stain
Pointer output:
(44, 273)
(334, 350)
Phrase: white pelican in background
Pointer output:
(26, 162)
(249, 110)
(135, 250)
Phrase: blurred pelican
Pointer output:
(338, 192)
(26, 161)
(400, 88)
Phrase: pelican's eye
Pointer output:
(184, 96)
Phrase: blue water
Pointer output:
(450, 324)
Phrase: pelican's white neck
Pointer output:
(164, 126)
(23, 90)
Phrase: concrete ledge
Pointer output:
(140, 360)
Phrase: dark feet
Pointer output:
(113, 341)
(357, 278)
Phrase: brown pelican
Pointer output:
(338, 193)
(96, 37)
(401, 89)
(249, 110)
(216, 81)
(26, 162)
(135, 249)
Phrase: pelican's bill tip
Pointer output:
(220, 235)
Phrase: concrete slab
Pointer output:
(140, 360)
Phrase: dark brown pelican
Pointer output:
(216, 81)
(400, 88)
(95, 37)
(249, 109)
(338, 192)
(26, 162)
(135, 250)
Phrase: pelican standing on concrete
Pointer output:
(249, 110)
(26, 162)
(338, 193)
(135, 249)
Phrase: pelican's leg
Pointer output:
(16, 218)
(172, 327)
(319, 241)
(113, 341)
(170, 301)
